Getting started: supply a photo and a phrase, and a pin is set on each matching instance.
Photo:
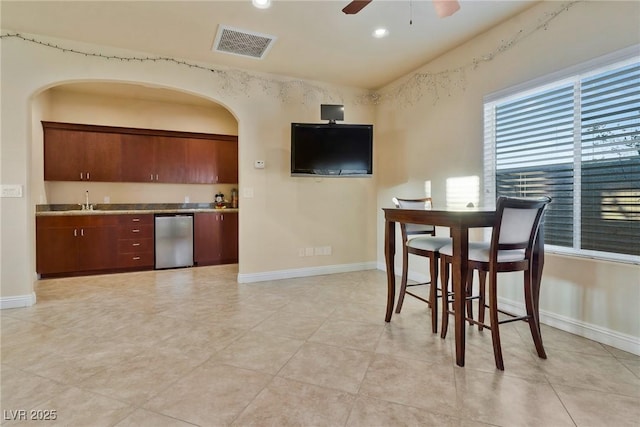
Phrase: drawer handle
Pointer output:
(135, 230)
(135, 244)
(135, 258)
(136, 220)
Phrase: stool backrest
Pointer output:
(414, 229)
(517, 223)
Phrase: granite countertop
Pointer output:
(129, 208)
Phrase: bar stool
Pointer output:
(510, 249)
(420, 240)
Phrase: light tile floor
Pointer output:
(194, 347)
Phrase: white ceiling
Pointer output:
(315, 40)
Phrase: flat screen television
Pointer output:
(344, 150)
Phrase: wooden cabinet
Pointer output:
(215, 238)
(80, 155)
(75, 152)
(93, 243)
(135, 241)
(69, 244)
(212, 161)
(153, 159)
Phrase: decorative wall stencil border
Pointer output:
(236, 82)
(232, 82)
(420, 84)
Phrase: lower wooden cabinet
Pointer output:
(69, 244)
(215, 237)
(135, 241)
(77, 244)
(84, 244)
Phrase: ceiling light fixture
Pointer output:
(261, 4)
(380, 33)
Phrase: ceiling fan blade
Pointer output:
(355, 6)
(446, 8)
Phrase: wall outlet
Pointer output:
(326, 250)
(308, 251)
(186, 199)
(107, 199)
(259, 164)
(301, 252)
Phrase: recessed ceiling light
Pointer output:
(380, 33)
(261, 4)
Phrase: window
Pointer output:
(577, 140)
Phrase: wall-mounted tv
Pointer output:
(344, 150)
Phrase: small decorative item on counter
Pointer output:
(234, 198)
(219, 200)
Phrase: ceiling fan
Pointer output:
(443, 8)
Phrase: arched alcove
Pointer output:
(129, 105)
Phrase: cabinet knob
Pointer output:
(136, 220)
(75, 232)
(88, 178)
(136, 258)
(81, 176)
(135, 230)
(135, 244)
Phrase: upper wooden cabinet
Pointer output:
(80, 155)
(75, 152)
(153, 159)
(212, 162)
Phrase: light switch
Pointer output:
(11, 190)
(248, 192)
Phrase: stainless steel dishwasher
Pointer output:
(173, 240)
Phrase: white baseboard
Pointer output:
(602, 335)
(628, 343)
(304, 272)
(18, 301)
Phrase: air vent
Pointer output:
(243, 43)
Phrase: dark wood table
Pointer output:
(459, 223)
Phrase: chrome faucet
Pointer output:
(87, 206)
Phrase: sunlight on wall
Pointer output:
(462, 192)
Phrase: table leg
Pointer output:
(460, 264)
(389, 253)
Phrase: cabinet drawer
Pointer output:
(142, 219)
(135, 246)
(135, 232)
(135, 260)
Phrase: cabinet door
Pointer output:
(56, 248)
(102, 157)
(201, 159)
(226, 162)
(229, 238)
(170, 157)
(97, 248)
(207, 237)
(63, 155)
(137, 158)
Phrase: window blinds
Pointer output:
(577, 141)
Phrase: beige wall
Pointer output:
(441, 136)
(417, 138)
